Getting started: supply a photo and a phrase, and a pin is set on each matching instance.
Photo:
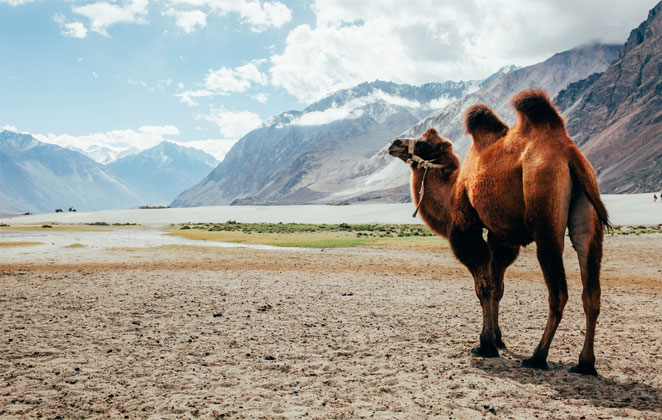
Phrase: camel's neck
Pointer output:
(435, 207)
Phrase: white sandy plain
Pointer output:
(624, 210)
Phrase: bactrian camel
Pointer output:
(522, 184)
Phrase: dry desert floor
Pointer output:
(201, 332)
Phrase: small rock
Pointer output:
(269, 358)
(217, 314)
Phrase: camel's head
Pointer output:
(430, 147)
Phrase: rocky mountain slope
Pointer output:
(382, 178)
(41, 177)
(160, 173)
(616, 116)
(305, 156)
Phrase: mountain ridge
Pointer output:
(285, 161)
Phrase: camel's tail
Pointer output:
(585, 175)
(535, 109)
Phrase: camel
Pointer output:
(522, 184)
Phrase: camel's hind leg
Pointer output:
(547, 217)
(550, 257)
(586, 235)
(502, 255)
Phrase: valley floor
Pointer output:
(182, 331)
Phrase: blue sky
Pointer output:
(129, 73)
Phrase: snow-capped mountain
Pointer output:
(305, 156)
(382, 178)
(41, 177)
(160, 173)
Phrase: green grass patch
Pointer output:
(76, 245)
(636, 230)
(311, 235)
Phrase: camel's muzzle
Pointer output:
(400, 148)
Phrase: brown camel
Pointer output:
(522, 184)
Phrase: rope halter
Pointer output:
(418, 162)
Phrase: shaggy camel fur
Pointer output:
(522, 184)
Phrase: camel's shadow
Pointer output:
(598, 391)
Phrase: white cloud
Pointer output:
(188, 19)
(224, 81)
(439, 103)
(102, 15)
(9, 127)
(261, 97)
(351, 109)
(260, 16)
(159, 130)
(327, 116)
(215, 147)
(16, 2)
(137, 82)
(233, 125)
(420, 41)
(72, 29)
(94, 73)
(188, 95)
(105, 147)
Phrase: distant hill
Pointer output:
(160, 173)
(41, 177)
(382, 178)
(616, 116)
(305, 156)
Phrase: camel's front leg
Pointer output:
(502, 255)
(472, 251)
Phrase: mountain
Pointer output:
(305, 156)
(40, 177)
(382, 178)
(160, 173)
(616, 116)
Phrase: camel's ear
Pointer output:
(483, 124)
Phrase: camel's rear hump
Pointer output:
(535, 109)
(484, 125)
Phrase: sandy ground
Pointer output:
(202, 332)
(624, 209)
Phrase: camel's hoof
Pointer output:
(535, 363)
(500, 344)
(484, 351)
(584, 369)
